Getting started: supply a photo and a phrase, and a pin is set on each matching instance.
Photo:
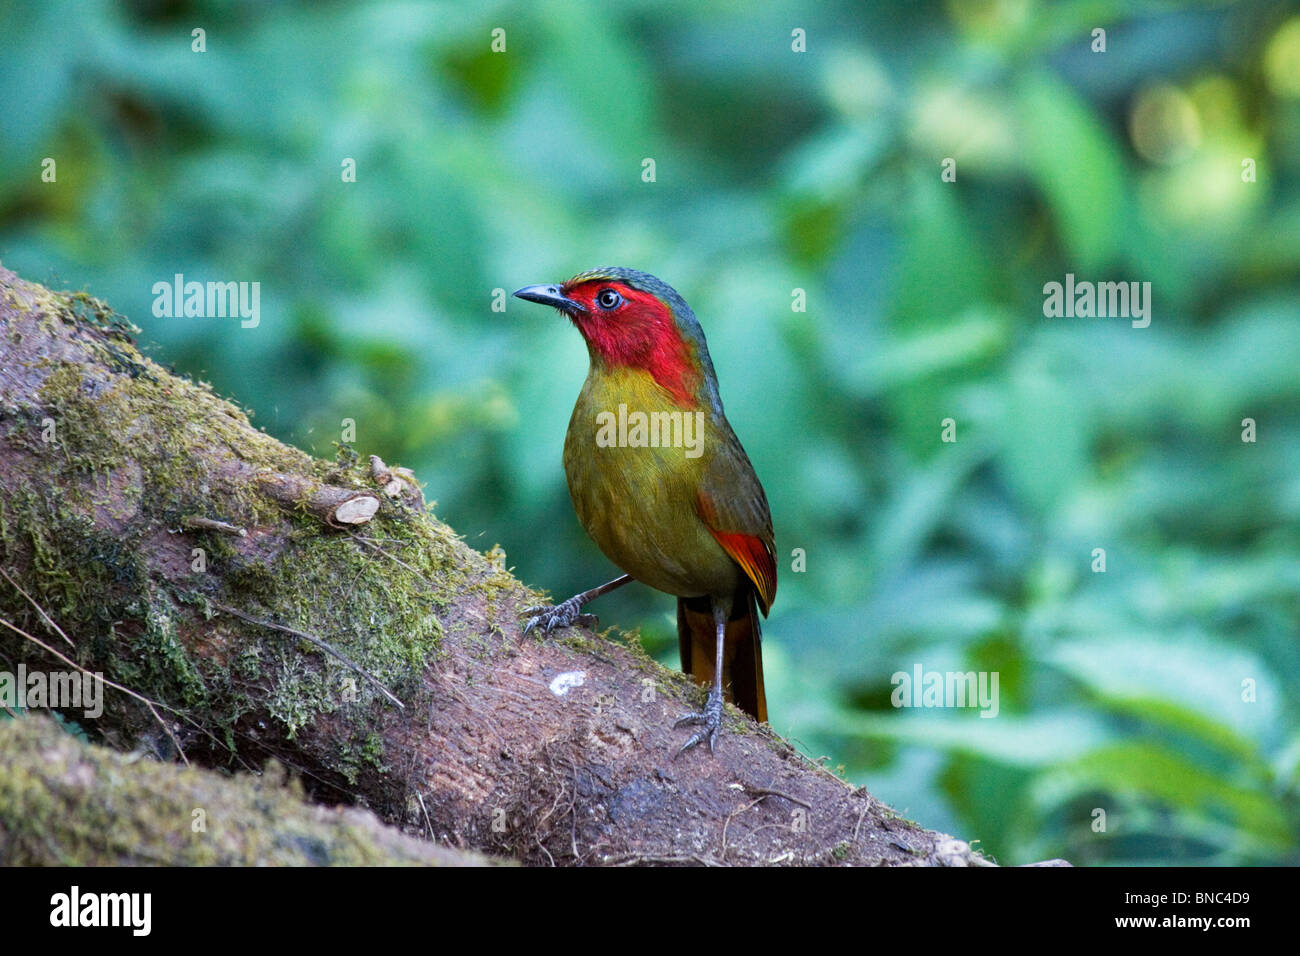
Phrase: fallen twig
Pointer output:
(39, 610)
(151, 704)
(313, 639)
(199, 523)
(337, 507)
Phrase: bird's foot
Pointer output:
(564, 614)
(709, 721)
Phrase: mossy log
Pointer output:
(68, 803)
(383, 664)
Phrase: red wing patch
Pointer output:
(755, 559)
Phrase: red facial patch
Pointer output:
(640, 333)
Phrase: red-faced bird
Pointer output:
(662, 484)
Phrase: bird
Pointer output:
(662, 485)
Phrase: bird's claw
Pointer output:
(709, 721)
(564, 614)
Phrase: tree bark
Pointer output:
(150, 533)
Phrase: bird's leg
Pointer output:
(710, 718)
(569, 612)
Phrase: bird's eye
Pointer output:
(608, 299)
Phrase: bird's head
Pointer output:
(632, 319)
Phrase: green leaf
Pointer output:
(1034, 741)
(1194, 685)
(1077, 166)
(1154, 773)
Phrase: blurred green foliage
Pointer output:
(777, 171)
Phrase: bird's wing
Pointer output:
(731, 503)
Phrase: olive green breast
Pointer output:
(633, 481)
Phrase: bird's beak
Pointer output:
(550, 295)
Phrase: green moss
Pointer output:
(137, 451)
(88, 310)
(360, 754)
(148, 449)
(63, 802)
(158, 660)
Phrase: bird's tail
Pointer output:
(742, 653)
